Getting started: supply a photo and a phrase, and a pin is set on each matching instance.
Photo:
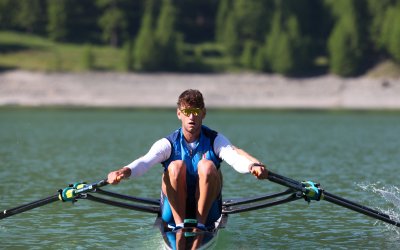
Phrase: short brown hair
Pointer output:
(191, 97)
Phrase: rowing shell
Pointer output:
(190, 237)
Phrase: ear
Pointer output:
(178, 113)
(204, 113)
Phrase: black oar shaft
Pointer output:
(50, 199)
(129, 198)
(352, 206)
(28, 206)
(335, 197)
(234, 202)
(284, 181)
(137, 207)
(249, 207)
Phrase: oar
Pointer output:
(322, 194)
(20, 209)
(240, 201)
(137, 207)
(65, 194)
(232, 209)
(129, 198)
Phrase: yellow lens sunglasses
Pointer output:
(189, 111)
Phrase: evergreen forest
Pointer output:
(291, 37)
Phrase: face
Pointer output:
(192, 119)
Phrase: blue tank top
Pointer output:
(204, 149)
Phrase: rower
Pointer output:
(191, 157)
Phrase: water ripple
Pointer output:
(44, 150)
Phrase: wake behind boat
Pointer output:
(190, 237)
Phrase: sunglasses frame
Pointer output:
(188, 111)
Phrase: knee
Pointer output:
(176, 169)
(206, 168)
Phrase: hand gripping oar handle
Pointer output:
(295, 185)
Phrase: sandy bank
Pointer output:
(220, 90)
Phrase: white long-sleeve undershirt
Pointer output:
(161, 150)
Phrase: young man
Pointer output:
(191, 156)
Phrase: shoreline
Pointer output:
(160, 90)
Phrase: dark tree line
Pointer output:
(286, 37)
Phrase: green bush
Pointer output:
(56, 62)
(88, 58)
(127, 62)
(248, 55)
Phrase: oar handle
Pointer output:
(282, 180)
(91, 187)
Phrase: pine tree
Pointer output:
(279, 50)
(224, 8)
(128, 60)
(145, 57)
(30, 15)
(343, 48)
(169, 41)
(231, 37)
(261, 59)
(248, 55)
(239, 21)
(377, 10)
(57, 19)
(252, 18)
(285, 47)
(8, 10)
(345, 43)
(391, 31)
(113, 21)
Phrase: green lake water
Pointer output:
(354, 155)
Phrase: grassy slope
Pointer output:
(28, 52)
(35, 53)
